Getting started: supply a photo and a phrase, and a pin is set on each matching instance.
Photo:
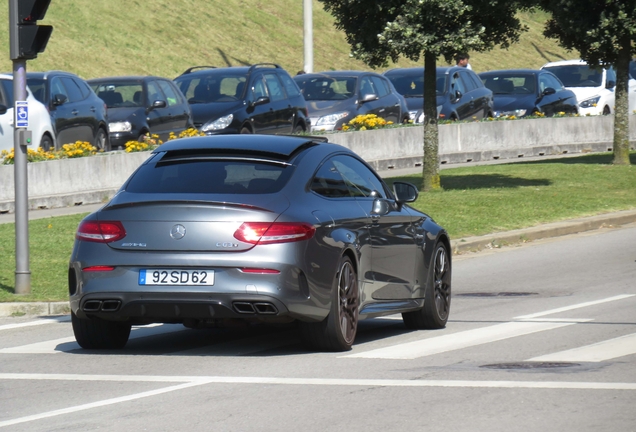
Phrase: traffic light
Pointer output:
(27, 38)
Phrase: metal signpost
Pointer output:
(26, 40)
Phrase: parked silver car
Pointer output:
(259, 228)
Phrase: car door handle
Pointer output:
(382, 110)
(74, 112)
(93, 109)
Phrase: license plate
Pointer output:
(175, 277)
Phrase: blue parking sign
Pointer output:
(21, 114)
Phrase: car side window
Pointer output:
(258, 89)
(360, 179)
(546, 80)
(171, 95)
(329, 183)
(457, 84)
(469, 84)
(610, 75)
(380, 86)
(72, 90)
(58, 88)
(366, 87)
(290, 86)
(154, 93)
(275, 87)
(476, 81)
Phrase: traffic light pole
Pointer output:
(22, 271)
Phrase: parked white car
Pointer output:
(594, 87)
(39, 118)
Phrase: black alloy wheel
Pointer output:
(437, 299)
(338, 331)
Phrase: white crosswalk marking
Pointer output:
(598, 352)
(68, 344)
(455, 341)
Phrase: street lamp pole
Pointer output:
(308, 41)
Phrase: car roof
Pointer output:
(209, 70)
(511, 72)
(45, 75)
(271, 146)
(565, 63)
(125, 78)
(339, 73)
(420, 70)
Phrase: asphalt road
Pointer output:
(541, 337)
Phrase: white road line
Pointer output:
(576, 306)
(55, 346)
(98, 404)
(193, 381)
(455, 341)
(36, 323)
(598, 352)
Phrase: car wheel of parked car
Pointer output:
(99, 334)
(437, 299)
(101, 140)
(298, 129)
(46, 143)
(245, 130)
(338, 331)
(606, 110)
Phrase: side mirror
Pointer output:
(59, 99)
(261, 101)
(159, 104)
(405, 192)
(369, 97)
(380, 207)
(548, 91)
(611, 84)
(458, 95)
(3, 109)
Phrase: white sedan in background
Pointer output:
(594, 87)
(39, 119)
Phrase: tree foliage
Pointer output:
(379, 30)
(604, 32)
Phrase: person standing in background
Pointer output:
(462, 60)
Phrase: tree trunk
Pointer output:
(621, 114)
(430, 168)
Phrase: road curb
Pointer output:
(459, 246)
(555, 229)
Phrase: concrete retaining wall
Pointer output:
(63, 183)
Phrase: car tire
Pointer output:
(101, 140)
(606, 110)
(99, 334)
(338, 331)
(245, 130)
(437, 299)
(298, 130)
(46, 143)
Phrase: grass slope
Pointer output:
(165, 37)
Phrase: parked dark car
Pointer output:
(258, 228)
(77, 114)
(524, 92)
(261, 98)
(460, 94)
(335, 98)
(138, 105)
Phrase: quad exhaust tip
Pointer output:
(262, 308)
(93, 306)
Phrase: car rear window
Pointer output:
(210, 176)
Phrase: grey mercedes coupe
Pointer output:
(260, 228)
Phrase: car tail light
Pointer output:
(274, 232)
(100, 231)
(259, 270)
(98, 268)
